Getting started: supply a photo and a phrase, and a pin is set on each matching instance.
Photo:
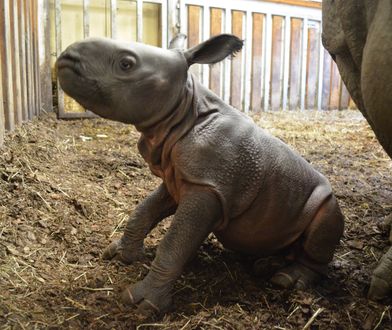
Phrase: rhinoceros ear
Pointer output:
(214, 49)
(178, 42)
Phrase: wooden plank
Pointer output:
(45, 64)
(295, 63)
(22, 60)
(216, 21)
(312, 68)
(30, 61)
(194, 34)
(2, 123)
(304, 53)
(268, 57)
(8, 98)
(286, 62)
(256, 102)
(326, 93)
(37, 85)
(277, 62)
(247, 63)
(335, 87)
(16, 83)
(344, 97)
(236, 63)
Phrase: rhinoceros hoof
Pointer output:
(379, 288)
(118, 250)
(148, 299)
(295, 276)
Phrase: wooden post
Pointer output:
(6, 65)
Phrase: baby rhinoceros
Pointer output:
(220, 172)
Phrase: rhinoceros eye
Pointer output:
(126, 63)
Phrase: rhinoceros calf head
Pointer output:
(133, 82)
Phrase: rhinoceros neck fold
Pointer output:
(157, 141)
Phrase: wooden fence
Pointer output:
(25, 87)
(283, 65)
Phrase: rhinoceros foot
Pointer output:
(149, 298)
(381, 283)
(295, 276)
(121, 251)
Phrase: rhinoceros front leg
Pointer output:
(197, 213)
(157, 206)
(381, 284)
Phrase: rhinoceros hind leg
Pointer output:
(295, 276)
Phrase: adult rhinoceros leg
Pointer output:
(198, 212)
(376, 86)
(157, 206)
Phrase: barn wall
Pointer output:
(23, 92)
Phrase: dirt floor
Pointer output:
(67, 188)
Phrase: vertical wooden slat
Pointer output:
(326, 81)
(27, 59)
(194, 34)
(344, 97)
(247, 63)
(216, 20)
(5, 50)
(22, 60)
(34, 18)
(304, 53)
(236, 63)
(30, 63)
(276, 64)
(286, 65)
(312, 68)
(320, 72)
(268, 59)
(205, 35)
(45, 64)
(335, 87)
(257, 62)
(2, 124)
(139, 20)
(60, 92)
(295, 63)
(227, 62)
(113, 17)
(16, 83)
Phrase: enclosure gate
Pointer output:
(283, 65)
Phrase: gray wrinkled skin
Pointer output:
(220, 172)
(358, 35)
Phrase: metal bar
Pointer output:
(164, 25)
(183, 17)
(30, 8)
(320, 72)
(286, 67)
(7, 65)
(248, 60)
(268, 56)
(227, 64)
(86, 18)
(205, 35)
(139, 20)
(304, 62)
(60, 92)
(113, 18)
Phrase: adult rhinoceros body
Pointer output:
(221, 173)
(358, 35)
